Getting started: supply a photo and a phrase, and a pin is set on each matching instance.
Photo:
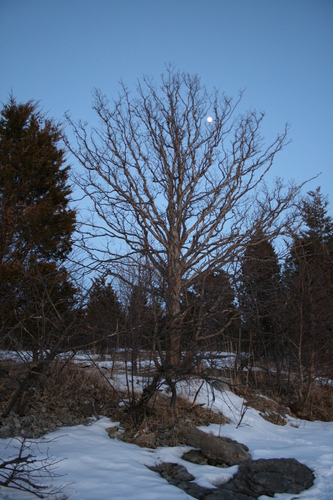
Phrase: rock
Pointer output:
(227, 495)
(17, 423)
(194, 490)
(89, 409)
(253, 479)
(5, 431)
(175, 471)
(218, 450)
(267, 477)
(177, 475)
(146, 440)
(195, 457)
(115, 432)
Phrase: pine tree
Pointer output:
(34, 195)
(139, 325)
(36, 225)
(319, 225)
(104, 315)
(213, 313)
(259, 298)
(309, 278)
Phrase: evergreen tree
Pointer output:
(36, 225)
(319, 225)
(104, 315)
(210, 322)
(309, 278)
(259, 298)
(140, 323)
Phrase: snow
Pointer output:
(91, 466)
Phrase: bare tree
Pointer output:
(49, 325)
(24, 471)
(175, 190)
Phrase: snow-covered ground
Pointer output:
(96, 467)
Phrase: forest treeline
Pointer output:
(188, 254)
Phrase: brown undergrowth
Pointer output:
(56, 398)
(274, 406)
(167, 425)
(69, 394)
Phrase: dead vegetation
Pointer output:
(168, 424)
(70, 394)
(274, 406)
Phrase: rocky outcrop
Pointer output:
(38, 423)
(177, 475)
(253, 479)
(267, 477)
(217, 450)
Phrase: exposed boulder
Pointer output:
(222, 494)
(253, 479)
(177, 475)
(267, 477)
(195, 457)
(115, 432)
(218, 450)
(174, 472)
(146, 440)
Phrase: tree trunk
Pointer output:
(174, 308)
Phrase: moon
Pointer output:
(209, 119)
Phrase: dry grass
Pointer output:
(270, 409)
(320, 404)
(68, 394)
(274, 407)
(169, 424)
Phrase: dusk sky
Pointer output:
(279, 51)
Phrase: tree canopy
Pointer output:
(34, 194)
(173, 190)
(36, 221)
